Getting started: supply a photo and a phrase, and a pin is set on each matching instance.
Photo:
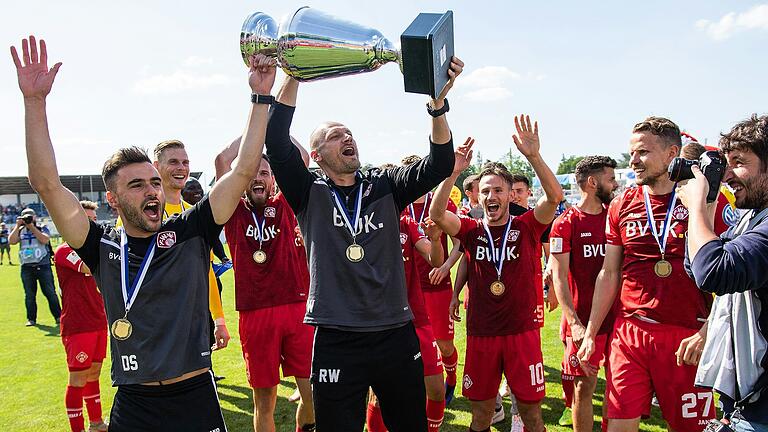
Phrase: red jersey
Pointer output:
(82, 308)
(583, 236)
(672, 300)
(283, 277)
(515, 310)
(409, 235)
(424, 266)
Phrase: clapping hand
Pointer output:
(35, 79)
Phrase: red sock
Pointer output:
(435, 412)
(449, 363)
(92, 400)
(73, 400)
(373, 421)
(604, 425)
(567, 381)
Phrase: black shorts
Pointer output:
(190, 405)
(345, 364)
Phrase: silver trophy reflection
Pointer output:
(311, 45)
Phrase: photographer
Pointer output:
(35, 260)
(734, 361)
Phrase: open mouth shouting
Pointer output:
(349, 150)
(151, 210)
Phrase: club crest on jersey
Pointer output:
(573, 361)
(269, 212)
(166, 239)
(680, 212)
(403, 238)
(82, 357)
(513, 235)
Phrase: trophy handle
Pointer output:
(258, 36)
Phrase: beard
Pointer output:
(603, 194)
(651, 179)
(755, 193)
(135, 217)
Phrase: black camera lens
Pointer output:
(680, 169)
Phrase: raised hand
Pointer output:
(457, 66)
(35, 79)
(463, 156)
(527, 138)
(261, 77)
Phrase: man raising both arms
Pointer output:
(501, 250)
(358, 301)
(577, 245)
(160, 351)
(271, 287)
(659, 333)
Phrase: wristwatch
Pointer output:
(262, 99)
(438, 112)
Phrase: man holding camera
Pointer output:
(734, 361)
(35, 259)
(660, 330)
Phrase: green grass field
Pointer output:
(34, 372)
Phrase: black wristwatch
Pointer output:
(438, 112)
(262, 99)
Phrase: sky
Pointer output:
(140, 72)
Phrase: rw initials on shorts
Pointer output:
(329, 375)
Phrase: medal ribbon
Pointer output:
(661, 238)
(426, 205)
(498, 261)
(350, 219)
(259, 226)
(131, 290)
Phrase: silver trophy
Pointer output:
(311, 45)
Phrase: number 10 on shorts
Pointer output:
(537, 374)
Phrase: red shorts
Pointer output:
(84, 349)
(273, 337)
(430, 355)
(437, 303)
(642, 361)
(571, 366)
(517, 356)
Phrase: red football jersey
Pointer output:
(409, 235)
(583, 236)
(82, 308)
(423, 265)
(283, 277)
(515, 310)
(672, 300)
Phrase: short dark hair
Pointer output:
(469, 181)
(88, 205)
(165, 145)
(409, 160)
(591, 165)
(663, 128)
(496, 170)
(124, 156)
(517, 178)
(750, 134)
(387, 166)
(692, 151)
(491, 164)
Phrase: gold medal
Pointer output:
(662, 268)
(498, 288)
(260, 257)
(355, 252)
(122, 329)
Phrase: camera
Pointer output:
(27, 219)
(711, 164)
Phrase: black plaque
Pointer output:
(427, 48)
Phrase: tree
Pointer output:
(568, 164)
(518, 164)
(623, 161)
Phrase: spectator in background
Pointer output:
(35, 260)
(5, 245)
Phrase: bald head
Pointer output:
(319, 135)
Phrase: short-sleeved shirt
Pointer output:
(170, 312)
(424, 267)
(673, 300)
(82, 308)
(515, 310)
(583, 236)
(4, 236)
(31, 251)
(409, 236)
(282, 278)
